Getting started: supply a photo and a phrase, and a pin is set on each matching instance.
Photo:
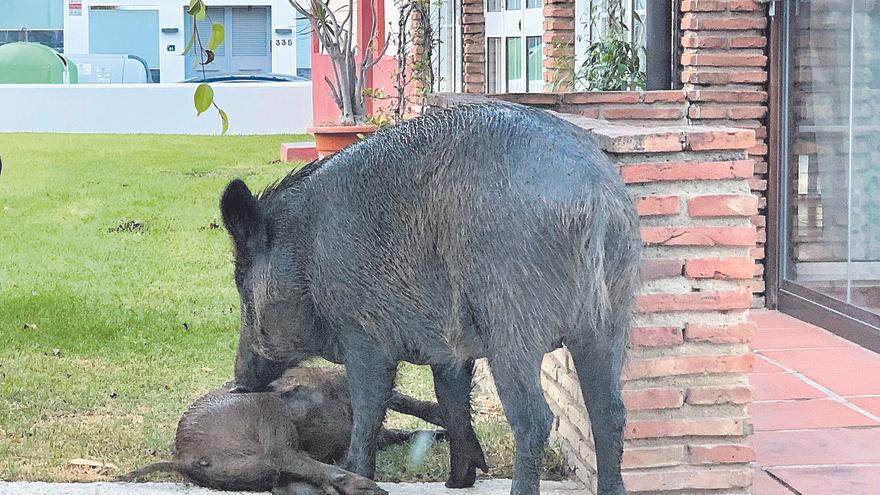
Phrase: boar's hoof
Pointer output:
(353, 484)
(466, 477)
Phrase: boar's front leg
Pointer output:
(453, 388)
(370, 379)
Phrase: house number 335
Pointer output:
(283, 42)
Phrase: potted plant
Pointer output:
(334, 31)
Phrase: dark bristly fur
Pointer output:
(490, 230)
(284, 440)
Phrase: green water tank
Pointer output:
(33, 63)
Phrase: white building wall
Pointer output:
(171, 15)
(253, 108)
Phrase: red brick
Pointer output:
(657, 269)
(694, 301)
(674, 428)
(734, 112)
(639, 113)
(656, 336)
(688, 365)
(648, 457)
(703, 75)
(720, 454)
(687, 481)
(699, 140)
(703, 5)
(731, 334)
(653, 398)
(699, 236)
(663, 96)
(657, 205)
(720, 268)
(728, 96)
(725, 59)
(703, 396)
(723, 205)
(559, 24)
(692, 21)
(556, 11)
(685, 171)
(602, 97)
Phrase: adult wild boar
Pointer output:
(485, 230)
(284, 440)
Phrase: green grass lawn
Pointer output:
(117, 304)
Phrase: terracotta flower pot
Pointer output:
(332, 138)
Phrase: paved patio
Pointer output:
(816, 413)
(487, 487)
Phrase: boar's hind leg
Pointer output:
(425, 410)
(598, 368)
(518, 379)
(452, 385)
(370, 380)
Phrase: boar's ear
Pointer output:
(242, 216)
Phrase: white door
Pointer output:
(514, 46)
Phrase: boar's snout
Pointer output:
(253, 372)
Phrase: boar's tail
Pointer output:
(155, 467)
(608, 269)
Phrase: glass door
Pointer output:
(514, 46)
(830, 170)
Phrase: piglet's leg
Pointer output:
(283, 454)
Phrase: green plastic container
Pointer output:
(33, 63)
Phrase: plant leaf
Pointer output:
(224, 119)
(209, 57)
(197, 9)
(217, 36)
(203, 97)
(189, 45)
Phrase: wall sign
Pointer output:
(74, 8)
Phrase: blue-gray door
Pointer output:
(247, 48)
(125, 31)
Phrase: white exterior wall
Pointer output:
(253, 108)
(171, 15)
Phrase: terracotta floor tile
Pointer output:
(805, 414)
(854, 381)
(782, 386)
(870, 404)
(848, 358)
(796, 338)
(764, 366)
(763, 484)
(774, 319)
(829, 446)
(832, 480)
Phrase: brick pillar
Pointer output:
(473, 26)
(559, 37)
(685, 383)
(724, 71)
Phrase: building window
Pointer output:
(38, 21)
(514, 60)
(534, 57)
(593, 23)
(493, 6)
(246, 48)
(512, 4)
(494, 65)
(533, 4)
(303, 48)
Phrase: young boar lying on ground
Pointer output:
(284, 440)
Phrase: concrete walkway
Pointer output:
(816, 413)
(490, 487)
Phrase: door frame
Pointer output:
(850, 322)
